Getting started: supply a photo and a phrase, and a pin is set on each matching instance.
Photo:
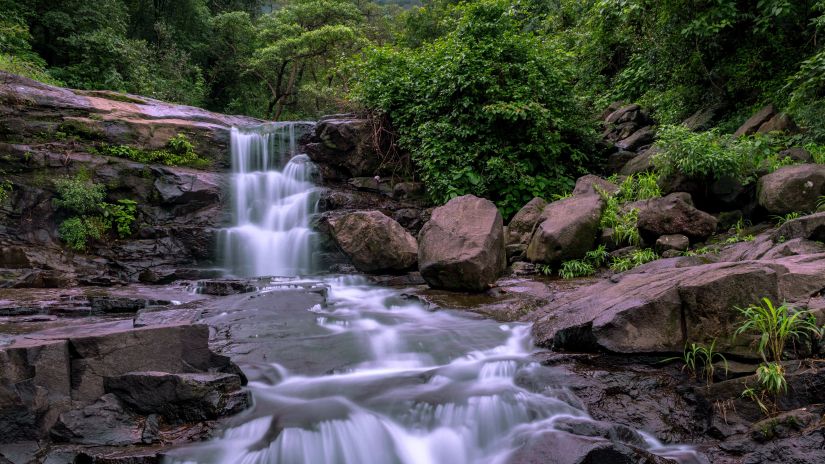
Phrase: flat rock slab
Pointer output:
(661, 306)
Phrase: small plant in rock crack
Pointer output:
(576, 268)
(698, 360)
(597, 257)
(781, 220)
(544, 269)
(771, 383)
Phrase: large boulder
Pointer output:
(553, 447)
(106, 422)
(661, 306)
(756, 121)
(346, 145)
(461, 247)
(520, 228)
(792, 188)
(674, 215)
(593, 185)
(568, 229)
(374, 242)
(810, 227)
(180, 397)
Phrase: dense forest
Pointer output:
(479, 93)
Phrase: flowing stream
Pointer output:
(417, 386)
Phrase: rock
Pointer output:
(638, 139)
(616, 161)
(109, 352)
(755, 122)
(781, 122)
(521, 226)
(408, 191)
(567, 230)
(374, 242)
(810, 227)
(673, 215)
(675, 242)
(225, 287)
(702, 118)
(673, 301)
(641, 163)
(461, 247)
(105, 422)
(627, 113)
(798, 154)
(346, 145)
(179, 398)
(593, 185)
(565, 448)
(792, 189)
(590, 428)
(191, 189)
(35, 388)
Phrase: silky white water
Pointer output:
(272, 199)
(413, 386)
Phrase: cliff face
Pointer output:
(47, 133)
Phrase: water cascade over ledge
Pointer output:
(273, 198)
(410, 386)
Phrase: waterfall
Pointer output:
(273, 198)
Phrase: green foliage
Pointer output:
(90, 216)
(179, 151)
(576, 268)
(635, 259)
(78, 195)
(774, 326)
(487, 109)
(621, 264)
(622, 219)
(597, 257)
(781, 220)
(710, 155)
(78, 230)
(120, 215)
(544, 269)
(5, 187)
(698, 360)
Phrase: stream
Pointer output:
(415, 386)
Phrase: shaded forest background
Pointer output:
(494, 97)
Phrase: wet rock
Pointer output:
(638, 139)
(192, 189)
(641, 163)
(673, 215)
(590, 428)
(593, 185)
(755, 122)
(105, 422)
(792, 189)
(564, 448)
(674, 301)
(225, 287)
(34, 388)
(109, 352)
(462, 245)
(374, 242)
(346, 145)
(520, 228)
(810, 227)
(179, 398)
(567, 230)
(672, 242)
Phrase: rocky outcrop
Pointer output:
(663, 305)
(792, 189)
(520, 228)
(567, 229)
(31, 109)
(374, 242)
(756, 121)
(674, 214)
(462, 245)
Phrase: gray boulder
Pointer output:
(811, 227)
(106, 422)
(792, 188)
(755, 122)
(674, 301)
(638, 139)
(676, 242)
(521, 226)
(673, 215)
(593, 185)
(374, 242)
(461, 247)
(568, 229)
(553, 447)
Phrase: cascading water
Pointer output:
(412, 386)
(273, 198)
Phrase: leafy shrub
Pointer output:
(623, 220)
(77, 231)
(576, 268)
(699, 358)
(775, 325)
(637, 258)
(710, 155)
(120, 215)
(79, 195)
(487, 109)
(179, 151)
(91, 217)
